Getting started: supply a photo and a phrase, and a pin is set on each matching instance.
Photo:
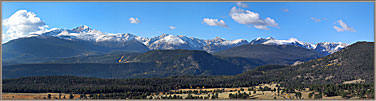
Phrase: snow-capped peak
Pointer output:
(330, 47)
(163, 35)
(171, 39)
(238, 40)
(258, 38)
(291, 41)
(120, 37)
(234, 42)
(297, 41)
(86, 33)
(82, 28)
(218, 39)
(270, 38)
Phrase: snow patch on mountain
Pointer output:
(166, 41)
(86, 33)
(218, 44)
(120, 37)
(171, 39)
(330, 47)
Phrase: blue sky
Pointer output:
(293, 19)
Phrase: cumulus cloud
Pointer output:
(240, 4)
(316, 19)
(214, 22)
(251, 18)
(172, 27)
(343, 27)
(285, 10)
(21, 24)
(134, 20)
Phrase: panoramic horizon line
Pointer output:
(107, 33)
(177, 34)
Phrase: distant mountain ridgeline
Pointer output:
(352, 63)
(84, 41)
(157, 63)
(45, 48)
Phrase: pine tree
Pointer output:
(71, 96)
(310, 95)
(49, 96)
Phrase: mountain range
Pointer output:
(164, 63)
(352, 63)
(169, 42)
(83, 51)
(84, 41)
(322, 47)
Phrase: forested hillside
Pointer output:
(156, 63)
(47, 48)
(353, 62)
(271, 54)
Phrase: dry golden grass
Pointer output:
(354, 81)
(223, 95)
(27, 96)
(332, 98)
(258, 95)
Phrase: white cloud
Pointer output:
(214, 22)
(285, 10)
(316, 19)
(344, 26)
(338, 29)
(172, 27)
(240, 4)
(134, 20)
(261, 27)
(251, 18)
(21, 24)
